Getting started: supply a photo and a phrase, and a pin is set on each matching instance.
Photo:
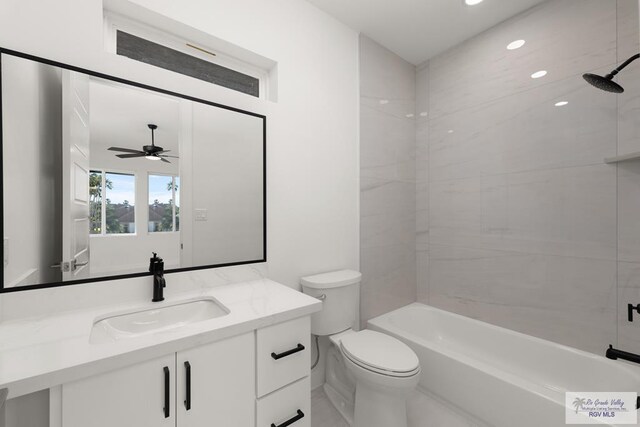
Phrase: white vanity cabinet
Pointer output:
(221, 376)
(220, 389)
(133, 396)
(257, 379)
(283, 386)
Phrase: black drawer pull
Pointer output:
(167, 385)
(290, 421)
(187, 402)
(300, 347)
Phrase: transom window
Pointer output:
(141, 42)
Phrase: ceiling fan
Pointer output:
(151, 152)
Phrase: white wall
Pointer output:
(118, 118)
(226, 172)
(32, 96)
(312, 131)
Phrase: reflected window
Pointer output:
(95, 201)
(164, 203)
(112, 203)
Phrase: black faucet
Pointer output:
(156, 266)
(615, 354)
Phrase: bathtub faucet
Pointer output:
(615, 354)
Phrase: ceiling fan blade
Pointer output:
(125, 150)
(165, 155)
(129, 156)
(165, 160)
(163, 151)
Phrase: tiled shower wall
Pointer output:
(517, 219)
(527, 227)
(387, 180)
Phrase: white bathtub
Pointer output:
(499, 376)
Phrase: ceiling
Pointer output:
(119, 116)
(417, 30)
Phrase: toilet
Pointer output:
(369, 375)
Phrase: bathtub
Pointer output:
(501, 377)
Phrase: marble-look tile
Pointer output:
(388, 166)
(629, 101)
(387, 145)
(422, 216)
(383, 74)
(422, 92)
(627, 26)
(422, 150)
(524, 132)
(386, 206)
(388, 279)
(628, 293)
(628, 178)
(525, 224)
(422, 276)
(629, 110)
(563, 299)
(422, 183)
(629, 211)
(568, 212)
(563, 37)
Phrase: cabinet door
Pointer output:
(216, 384)
(129, 397)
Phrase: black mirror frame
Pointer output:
(4, 51)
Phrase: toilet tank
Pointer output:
(340, 293)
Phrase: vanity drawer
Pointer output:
(288, 404)
(283, 354)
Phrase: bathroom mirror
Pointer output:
(99, 172)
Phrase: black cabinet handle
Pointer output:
(291, 420)
(187, 402)
(300, 347)
(167, 385)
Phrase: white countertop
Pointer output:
(40, 353)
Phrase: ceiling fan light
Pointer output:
(152, 157)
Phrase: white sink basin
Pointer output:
(154, 319)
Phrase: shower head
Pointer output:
(605, 83)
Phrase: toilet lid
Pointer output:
(380, 352)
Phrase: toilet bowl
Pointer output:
(369, 375)
(385, 372)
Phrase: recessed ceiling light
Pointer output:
(384, 101)
(472, 2)
(408, 116)
(561, 103)
(516, 44)
(450, 131)
(538, 74)
(424, 114)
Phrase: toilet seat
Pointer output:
(380, 353)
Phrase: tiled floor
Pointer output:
(323, 414)
(423, 411)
